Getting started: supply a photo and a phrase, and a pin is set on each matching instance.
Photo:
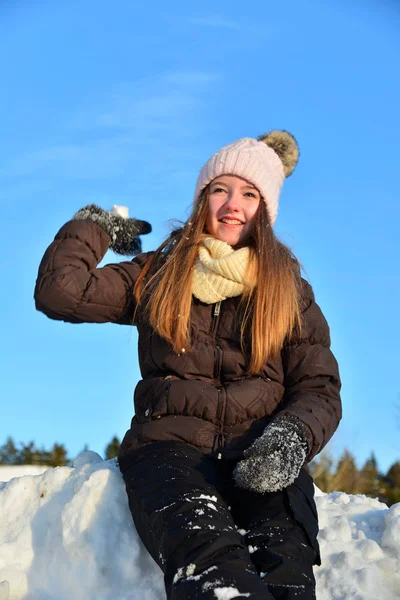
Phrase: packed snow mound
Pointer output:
(67, 534)
(360, 548)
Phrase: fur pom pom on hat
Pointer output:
(264, 161)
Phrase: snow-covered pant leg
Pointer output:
(185, 524)
(281, 533)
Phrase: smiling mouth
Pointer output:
(231, 222)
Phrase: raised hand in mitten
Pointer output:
(274, 460)
(122, 230)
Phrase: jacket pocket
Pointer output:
(151, 398)
(159, 404)
(304, 511)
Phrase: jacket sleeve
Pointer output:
(311, 377)
(71, 288)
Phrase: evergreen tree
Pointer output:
(43, 457)
(39, 456)
(370, 480)
(394, 474)
(346, 474)
(112, 448)
(9, 453)
(392, 479)
(58, 456)
(321, 471)
(28, 454)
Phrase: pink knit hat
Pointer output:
(264, 161)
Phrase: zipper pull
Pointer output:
(219, 455)
(217, 309)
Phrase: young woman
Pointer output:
(239, 387)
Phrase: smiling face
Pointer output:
(232, 206)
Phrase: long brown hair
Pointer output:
(270, 302)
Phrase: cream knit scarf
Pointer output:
(219, 271)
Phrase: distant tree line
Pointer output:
(12, 454)
(329, 475)
(344, 476)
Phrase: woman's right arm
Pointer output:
(71, 288)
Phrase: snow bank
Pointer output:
(360, 548)
(7, 473)
(67, 534)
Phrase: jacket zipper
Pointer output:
(219, 436)
(217, 376)
(222, 400)
(218, 351)
(216, 313)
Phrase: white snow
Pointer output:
(7, 473)
(121, 211)
(67, 534)
(360, 548)
(228, 593)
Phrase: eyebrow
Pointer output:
(247, 185)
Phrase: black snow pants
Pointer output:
(214, 540)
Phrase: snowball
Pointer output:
(120, 211)
(87, 458)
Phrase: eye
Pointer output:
(218, 190)
(251, 194)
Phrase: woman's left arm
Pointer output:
(311, 377)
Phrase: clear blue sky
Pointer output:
(122, 103)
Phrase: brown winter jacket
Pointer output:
(203, 397)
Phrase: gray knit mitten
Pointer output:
(274, 460)
(123, 231)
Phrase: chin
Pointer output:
(232, 241)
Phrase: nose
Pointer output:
(232, 200)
